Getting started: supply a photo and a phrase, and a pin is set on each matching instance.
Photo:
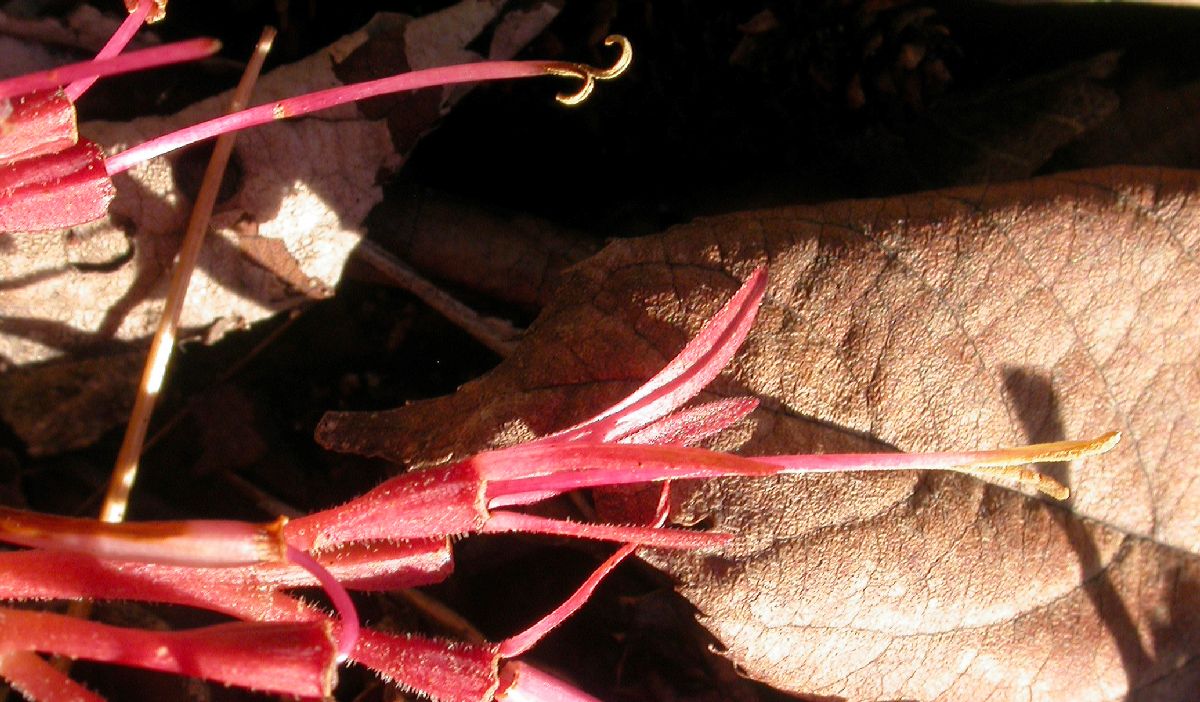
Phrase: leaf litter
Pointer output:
(1155, 644)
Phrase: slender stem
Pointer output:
(503, 521)
(320, 100)
(496, 334)
(332, 97)
(347, 613)
(116, 44)
(117, 499)
(164, 55)
(522, 642)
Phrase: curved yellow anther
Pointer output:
(588, 74)
(1010, 464)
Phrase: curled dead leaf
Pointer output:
(963, 318)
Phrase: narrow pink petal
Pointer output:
(324, 99)
(525, 640)
(522, 642)
(687, 374)
(53, 78)
(39, 681)
(502, 521)
(286, 658)
(694, 424)
(116, 44)
(558, 467)
(521, 682)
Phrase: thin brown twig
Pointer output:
(496, 334)
(168, 425)
(116, 500)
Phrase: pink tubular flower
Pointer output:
(51, 179)
(398, 534)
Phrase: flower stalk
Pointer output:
(399, 533)
(45, 196)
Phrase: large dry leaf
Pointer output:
(507, 256)
(1060, 307)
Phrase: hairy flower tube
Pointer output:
(398, 534)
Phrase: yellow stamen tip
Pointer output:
(1009, 464)
(1049, 486)
(590, 75)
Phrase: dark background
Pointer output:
(726, 108)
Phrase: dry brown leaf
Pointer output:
(308, 183)
(511, 257)
(63, 405)
(302, 189)
(965, 318)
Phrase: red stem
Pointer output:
(115, 45)
(342, 604)
(502, 521)
(324, 99)
(164, 55)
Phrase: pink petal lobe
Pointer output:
(694, 424)
(55, 191)
(287, 658)
(40, 123)
(700, 361)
